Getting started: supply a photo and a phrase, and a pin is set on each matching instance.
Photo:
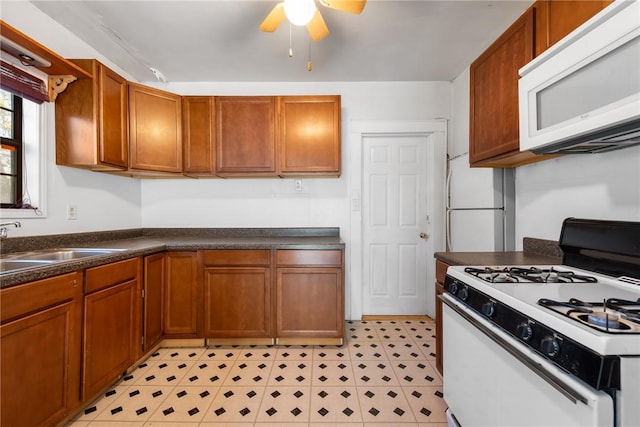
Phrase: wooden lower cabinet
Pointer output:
(153, 297)
(309, 296)
(112, 323)
(237, 294)
(441, 271)
(182, 295)
(40, 339)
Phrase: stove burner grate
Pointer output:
(528, 274)
(612, 315)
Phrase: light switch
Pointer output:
(72, 212)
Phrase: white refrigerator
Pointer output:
(480, 208)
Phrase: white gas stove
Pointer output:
(548, 345)
(582, 305)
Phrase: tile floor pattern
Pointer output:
(383, 375)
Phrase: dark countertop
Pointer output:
(535, 252)
(153, 242)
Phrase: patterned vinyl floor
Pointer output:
(383, 375)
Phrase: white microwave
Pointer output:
(583, 94)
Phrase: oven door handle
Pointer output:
(566, 390)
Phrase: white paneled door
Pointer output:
(395, 219)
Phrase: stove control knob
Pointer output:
(453, 288)
(489, 308)
(524, 331)
(464, 293)
(550, 346)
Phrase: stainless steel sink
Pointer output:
(66, 254)
(14, 265)
(26, 260)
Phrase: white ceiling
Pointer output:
(420, 40)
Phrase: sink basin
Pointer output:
(66, 254)
(23, 261)
(13, 265)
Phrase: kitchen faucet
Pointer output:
(3, 228)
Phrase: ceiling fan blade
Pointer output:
(273, 19)
(317, 27)
(351, 6)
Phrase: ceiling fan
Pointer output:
(309, 14)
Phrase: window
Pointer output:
(11, 151)
(24, 138)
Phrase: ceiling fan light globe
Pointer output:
(299, 12)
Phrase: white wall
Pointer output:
(104, 202)
(597, 186)
(459, 128)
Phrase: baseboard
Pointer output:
(374, 317)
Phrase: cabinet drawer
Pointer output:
(441, 271)
(236, 257)
(309, 257)
(23, 299)
(108, 275)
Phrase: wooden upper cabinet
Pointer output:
(246, 135)
(557, 18)
(155, 130)
(309, 136)
(494, 139)
(493, 120)
(198, 119)
(91, 120)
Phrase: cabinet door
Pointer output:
(309, 137)
(557, 18)
(198, 127)
(153, 307)
(155, 130)
(493, 126)
(91, 120)
(181, 295)
(114, 147)
(246, 135)
(237, 302)
(111, 339)
(310, 302)
(40, 338)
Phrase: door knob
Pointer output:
(424, 235)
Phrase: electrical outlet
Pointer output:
(297, 185)
(72, 212)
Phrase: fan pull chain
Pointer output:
(309, 63)
(290, 42)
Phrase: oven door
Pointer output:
(491, 379)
